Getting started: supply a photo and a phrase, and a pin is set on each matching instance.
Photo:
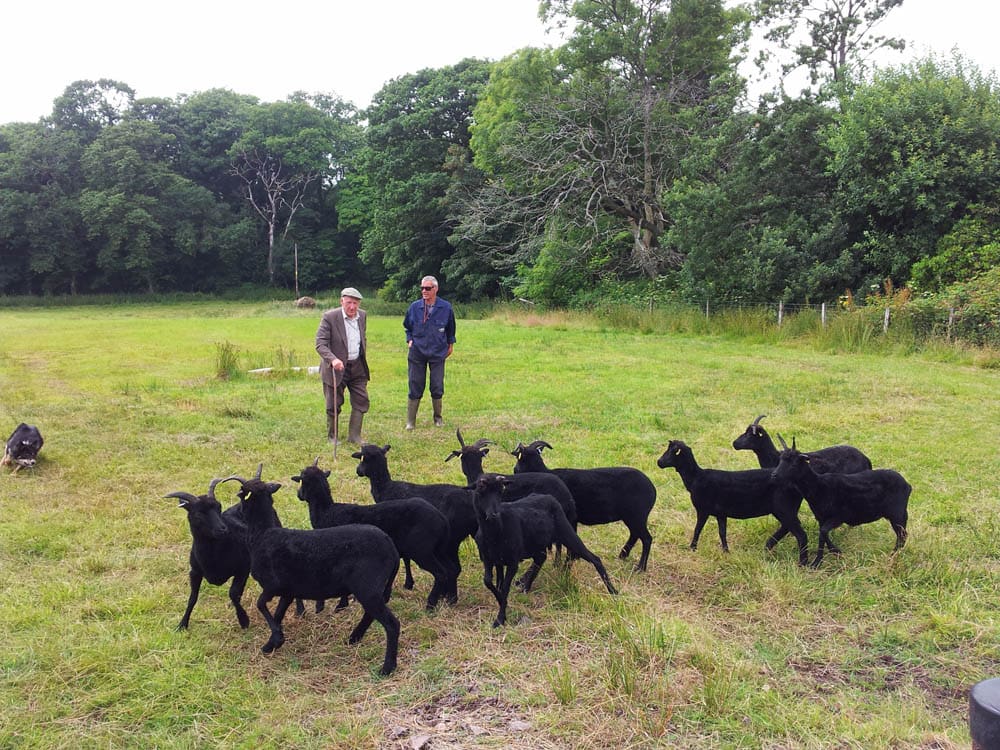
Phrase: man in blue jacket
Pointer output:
(430, 336)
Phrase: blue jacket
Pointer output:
(431, 337)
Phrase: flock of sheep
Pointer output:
(356, 550)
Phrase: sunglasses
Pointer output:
(426, 288)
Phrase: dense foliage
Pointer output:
(628, 158)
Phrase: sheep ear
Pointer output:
(273, 486)
(453, 455)
(296, 478)
(486, 451)
(358, 455)
(184, 498)
(385, 448)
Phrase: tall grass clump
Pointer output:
(227, 361)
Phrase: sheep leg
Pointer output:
(899, 526)
(343, 603)
(722, 532)
(408, 581)
(195, 579)
(647, 541)
(824, 540)
(442, 576)
(633, 537)
(524, 582)
(273, 622)
(235, 594)
(776, 537)
(579, 549)
(376, 609)
(699, 525)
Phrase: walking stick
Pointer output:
(336, 414)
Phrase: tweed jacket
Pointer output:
(331, 341)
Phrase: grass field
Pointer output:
(705, 650)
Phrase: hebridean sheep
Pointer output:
(455, 503)
(854, 499)
(416, 527)
(845, 459)
(602, 495)
(356, 559)
(750, 493)
(510, 532)
(520, 485)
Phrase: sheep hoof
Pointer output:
(244, 620)
(273, 643)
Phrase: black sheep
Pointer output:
(844, 459)
(510, 532)
(416, 527)
(854, 499)
(455, 504)
(520, 485)
(736, 494)
(356, 559)
(602, 495)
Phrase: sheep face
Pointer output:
(675, 454)
(753, 436)
(486, 500)
(529, 457)
(204, 514)
(310, 478)
(370, 456)
(792, 465)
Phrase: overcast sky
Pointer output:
(270, 49)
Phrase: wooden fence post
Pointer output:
(822, 315)
(781, 312)
(885, 321)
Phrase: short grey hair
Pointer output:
(429, 280)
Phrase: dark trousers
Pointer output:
(418, 367)
(352, 377)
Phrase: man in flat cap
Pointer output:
(341, 344)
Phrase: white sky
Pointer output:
(269, 48)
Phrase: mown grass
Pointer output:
(705, 650)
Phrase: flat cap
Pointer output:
(350, 291)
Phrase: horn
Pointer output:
(482, 443)
(316, 462)
(231, 477)
(183, 496)
(260, 468)
(757, 420)
(538, 445)
(211, 487)
(781, 440)
(458, 434)
(793, 442)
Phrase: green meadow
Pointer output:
(874, 649)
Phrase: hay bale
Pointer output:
(307, 302)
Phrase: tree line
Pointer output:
(630, 161)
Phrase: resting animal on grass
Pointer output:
(455, 504)
(21, 448)
(736, 494)
(844, 459)
(416, 527)
(521, 530)
(604, 495)
(356, 559)
(854, 499)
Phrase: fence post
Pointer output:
(885, 321)
(951, 320)
(706, 308)
(822, 315)
(781, 312)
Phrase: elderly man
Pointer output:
(430, 338)
(341, 344)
